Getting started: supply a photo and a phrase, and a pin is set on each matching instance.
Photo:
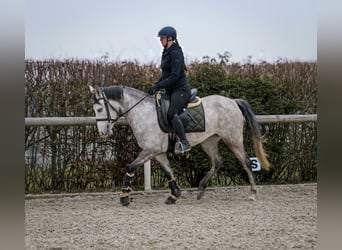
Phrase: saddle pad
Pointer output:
(194, 116)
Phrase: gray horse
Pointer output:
(225, 120)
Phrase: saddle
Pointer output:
(192, 117)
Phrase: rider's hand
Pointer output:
(153, 89)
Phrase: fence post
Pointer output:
(147, 175)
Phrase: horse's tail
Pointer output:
(254, 127)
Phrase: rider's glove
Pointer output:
(153, 89)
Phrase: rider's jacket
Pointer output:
(172, 64)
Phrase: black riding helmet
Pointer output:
(168, 31)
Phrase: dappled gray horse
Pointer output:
(224, 120)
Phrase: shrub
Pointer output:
(74, 159)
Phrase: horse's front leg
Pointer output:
(165, 166)
(128, 178)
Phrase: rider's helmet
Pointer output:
(168, 31)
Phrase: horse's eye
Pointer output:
(99, 110)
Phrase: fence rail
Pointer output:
(62, 121)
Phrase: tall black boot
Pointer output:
(184, 145)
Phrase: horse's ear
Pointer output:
(92, 90)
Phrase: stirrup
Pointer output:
(181, 148)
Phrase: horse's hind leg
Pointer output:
(165, 166)
(240, 153)
(210, 147)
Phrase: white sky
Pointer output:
(127, 29)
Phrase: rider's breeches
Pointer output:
(178, 101)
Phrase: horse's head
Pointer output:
(105, 113)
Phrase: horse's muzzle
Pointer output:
(103, 136)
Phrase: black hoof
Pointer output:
(125, 200)
(170, 200)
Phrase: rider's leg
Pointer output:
(177, 125)
(178, 101)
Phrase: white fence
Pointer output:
(58, 121)
(62, 121)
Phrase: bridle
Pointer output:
(108, 105)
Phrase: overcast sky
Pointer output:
(126, 30)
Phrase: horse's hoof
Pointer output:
(200, 195)
(125, 200)
(170, 200)
(252, 197)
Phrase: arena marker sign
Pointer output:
(255, 164)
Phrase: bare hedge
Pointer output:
(75, 159)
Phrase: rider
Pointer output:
(174, 81)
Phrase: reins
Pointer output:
(107, 105)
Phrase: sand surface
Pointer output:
(282, 217)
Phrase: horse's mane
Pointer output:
(113, 92)
(116, 92)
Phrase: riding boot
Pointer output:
(184, 145)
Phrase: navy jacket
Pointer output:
(172, 65)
